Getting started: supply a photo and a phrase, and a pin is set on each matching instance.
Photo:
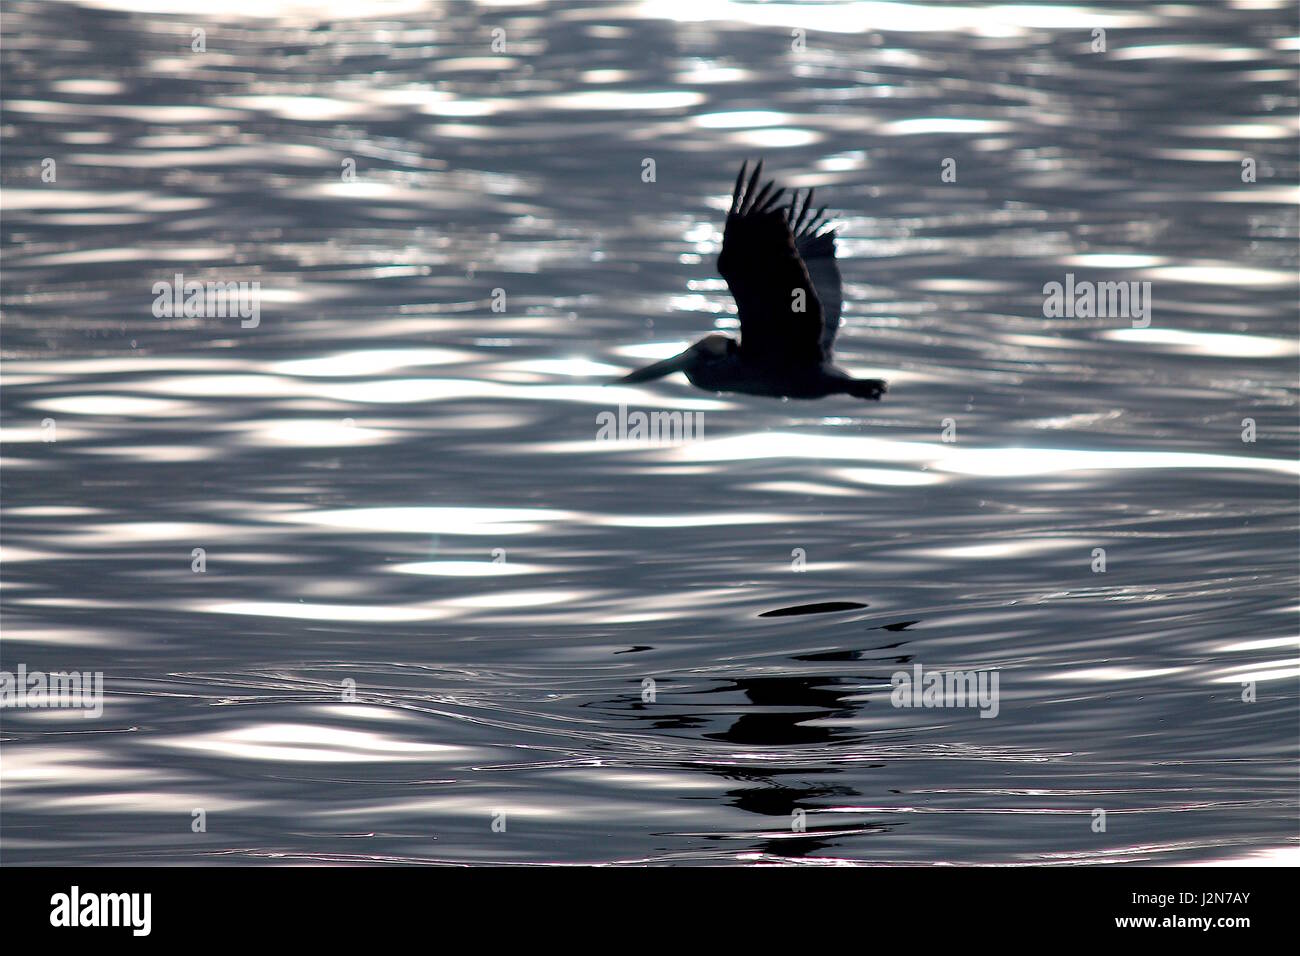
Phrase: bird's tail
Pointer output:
(871, 388)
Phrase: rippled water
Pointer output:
(398, 486)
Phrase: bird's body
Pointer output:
(779, 263)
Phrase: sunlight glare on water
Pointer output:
(366, 571)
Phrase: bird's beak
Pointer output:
(658, 370)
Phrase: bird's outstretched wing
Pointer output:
(780, 312)
(816, 246)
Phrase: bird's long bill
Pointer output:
(657, 370)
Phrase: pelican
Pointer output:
(779, 263)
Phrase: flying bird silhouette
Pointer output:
(779, 263)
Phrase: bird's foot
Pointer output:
(871, 388)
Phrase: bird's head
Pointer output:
(712, 350)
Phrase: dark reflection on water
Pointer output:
(823, 607)
(431, 596)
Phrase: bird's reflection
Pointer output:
(777, 794)
(787, 703)
(779, 712)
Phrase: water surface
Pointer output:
(434, 601)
